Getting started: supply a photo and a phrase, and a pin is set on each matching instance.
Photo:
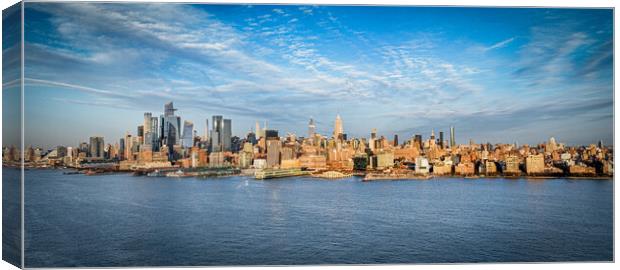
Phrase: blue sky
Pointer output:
(497, 75)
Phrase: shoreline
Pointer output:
(367, 177)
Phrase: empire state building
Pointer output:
(338, 131)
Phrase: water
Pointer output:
(122, 220)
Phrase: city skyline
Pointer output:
(500, 78)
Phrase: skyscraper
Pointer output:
(441, 139)
(188, 134)
(311, 128)
(153, 136)
(169, 109)
(395, 139)
(206, 138)
(147, 138)
(452, 139)
(96, 147)
(227, 134)
(170, 126)
(338, 130)
(216, 133)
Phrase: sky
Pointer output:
(496, 74)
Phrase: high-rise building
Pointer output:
(96, 147)
(273, 152)
(206, 137)
(220, 134)
(441, 139)
(395, 139)
(121, 149)
(169, 109)
(170, 126)
(152, 137)
(141, 132)
(188, 134)
(452, 138)
(227, 135)
(311, 129)
(271, 134)
(147, 128)
(338, 130)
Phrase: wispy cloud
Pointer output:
(500, 44)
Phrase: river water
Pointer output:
(123, 220)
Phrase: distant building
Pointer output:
(452, 138)
(96, 147)
(273, 153)
(170, 130)
(338, 129)
(188, 134)
(311, 128)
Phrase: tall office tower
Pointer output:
(188, 134)
(170, 125)
(96, 147)
(373, 133)
(206, 138)
(226, 135)
(147, 138)
(452, 139)
(271, 134)
(273, 145)
(395, 140)
(338, 130)
(432, 135)
(311, 129)
(251, 138)
(418, 140)
(154, 134)
(600, 144)
(169, 109)
(121, 149)
(128, 147)
(140, 131)
(441, 139)
(216, 133)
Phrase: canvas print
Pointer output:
(172, 134)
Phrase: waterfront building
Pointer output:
(581, 170)
(313, 161)
(216, 159)
(535, 164)
(385, 159)
(442, 168)
(259, 163)
(464, 169)
(490, 168)
(96, 147)
(512, 165)
(421, 165)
